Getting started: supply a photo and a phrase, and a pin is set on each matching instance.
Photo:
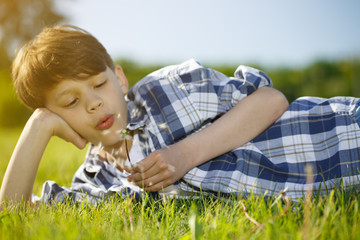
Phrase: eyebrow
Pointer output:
(62, 93)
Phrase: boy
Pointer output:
(183, 128)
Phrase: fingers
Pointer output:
(157, 171)
(139, 174)
(57, 126)
(70, 135)
(145, 164)
(156, 183)
(141, 167)
(155, 178)
(159, 186)
(65, 132)
(77, 140)
(128, 169)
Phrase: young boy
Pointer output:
(180, 130)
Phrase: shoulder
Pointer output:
(165, 76)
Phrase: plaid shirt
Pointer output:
(177, 101)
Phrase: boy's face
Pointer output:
(95, 108)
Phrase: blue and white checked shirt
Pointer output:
(177, 101)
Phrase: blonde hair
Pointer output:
(57, 53)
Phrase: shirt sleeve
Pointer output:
(231, 90)
(210, 93)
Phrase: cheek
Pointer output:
(76, 122)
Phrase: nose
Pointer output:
(94, 103)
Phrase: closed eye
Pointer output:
(72, 103)
(100, 84)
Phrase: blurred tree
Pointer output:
(21, 20)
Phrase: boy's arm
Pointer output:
(247, 119)
(20, 174)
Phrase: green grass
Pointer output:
(335, 216)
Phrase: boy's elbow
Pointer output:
(281, 103)
(276, 101)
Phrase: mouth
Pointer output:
(105, 122)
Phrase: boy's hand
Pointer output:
(58, 127)
(159, 170)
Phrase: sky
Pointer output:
(266, 32)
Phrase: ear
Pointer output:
(120, 75)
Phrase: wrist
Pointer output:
(38, 124)
(189, 153)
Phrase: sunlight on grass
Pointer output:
(333, 217)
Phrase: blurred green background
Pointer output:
(21, 20)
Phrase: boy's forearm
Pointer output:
(20, 175)
(241, 124)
